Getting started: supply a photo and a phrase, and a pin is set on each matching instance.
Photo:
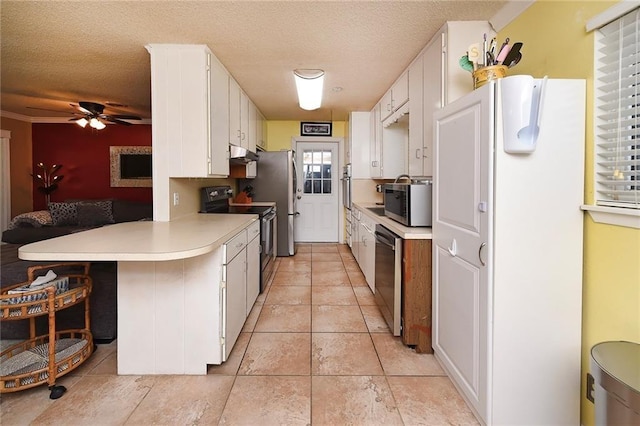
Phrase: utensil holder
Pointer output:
(483, 75)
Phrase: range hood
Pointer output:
(238, 154)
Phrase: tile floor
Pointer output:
(314, 350)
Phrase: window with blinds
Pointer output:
(617, 113)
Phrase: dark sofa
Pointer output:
(103, 300)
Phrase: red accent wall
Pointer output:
(84, 155)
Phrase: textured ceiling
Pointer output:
(54, 53)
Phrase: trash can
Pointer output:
(615, 367)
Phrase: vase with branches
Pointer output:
(49, 178)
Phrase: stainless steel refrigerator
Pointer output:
(276, 180)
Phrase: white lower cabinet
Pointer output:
(364, 244)
(234, 290)
(240, 282)
(368, 250)
(355, 232)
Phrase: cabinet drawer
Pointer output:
(235, 246)
(253, 230)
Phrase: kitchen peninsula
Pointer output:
(175, 302)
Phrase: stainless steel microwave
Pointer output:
(408, 203)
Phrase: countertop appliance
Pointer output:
(507, 248)
(388, 277)
(276, 180)
(408, 203)
(215, 199)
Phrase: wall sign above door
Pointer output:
(315, 129)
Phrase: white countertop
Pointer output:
(182, 238)
(256, 203)
(406, 232)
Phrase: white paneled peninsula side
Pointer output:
(172, 290)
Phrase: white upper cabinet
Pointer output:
(234, 113)
(456, 38)
(261, 131)
(436, 79)
(243, 118)
(396, 96)
(387, 148)
(375, 145)
(188, 116)
(416, 136)
(359, 135)
(252, 135)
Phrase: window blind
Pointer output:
(617, 132)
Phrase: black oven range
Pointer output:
(215, 199)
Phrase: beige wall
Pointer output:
(21, 163)
(556, 44)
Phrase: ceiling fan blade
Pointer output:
(82, 110)
(115, 120)
(53, 110)
(123, 116)
(92, 107)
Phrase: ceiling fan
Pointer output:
(92, 113)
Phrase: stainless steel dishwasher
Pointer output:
(388, 276)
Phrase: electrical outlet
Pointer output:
(176, 199)
(590, 387)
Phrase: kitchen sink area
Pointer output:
(377, 210)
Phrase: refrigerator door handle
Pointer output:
(480, 254)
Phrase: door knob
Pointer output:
(299, 197)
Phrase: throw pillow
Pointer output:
(64, 214)
(34, 219)
(106, 207)
(92, 215)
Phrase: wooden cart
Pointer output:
(42, 359)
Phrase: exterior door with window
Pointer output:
(317, 197)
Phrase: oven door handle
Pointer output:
(383, 239)
(269, 216)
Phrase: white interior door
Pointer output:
(461, 294)
(317, 196)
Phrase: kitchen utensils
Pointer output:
(466, 64)
(486, 64)
(512, 55)
(516, 60)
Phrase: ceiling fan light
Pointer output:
(309, 84)
(82, 122)
(97, 124)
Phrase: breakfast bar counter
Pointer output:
(173, 288)
(182, 238)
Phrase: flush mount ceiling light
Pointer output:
(309, 83)
(97, 124)
(91, 121)
(82, 122)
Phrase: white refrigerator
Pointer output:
(507, 248)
